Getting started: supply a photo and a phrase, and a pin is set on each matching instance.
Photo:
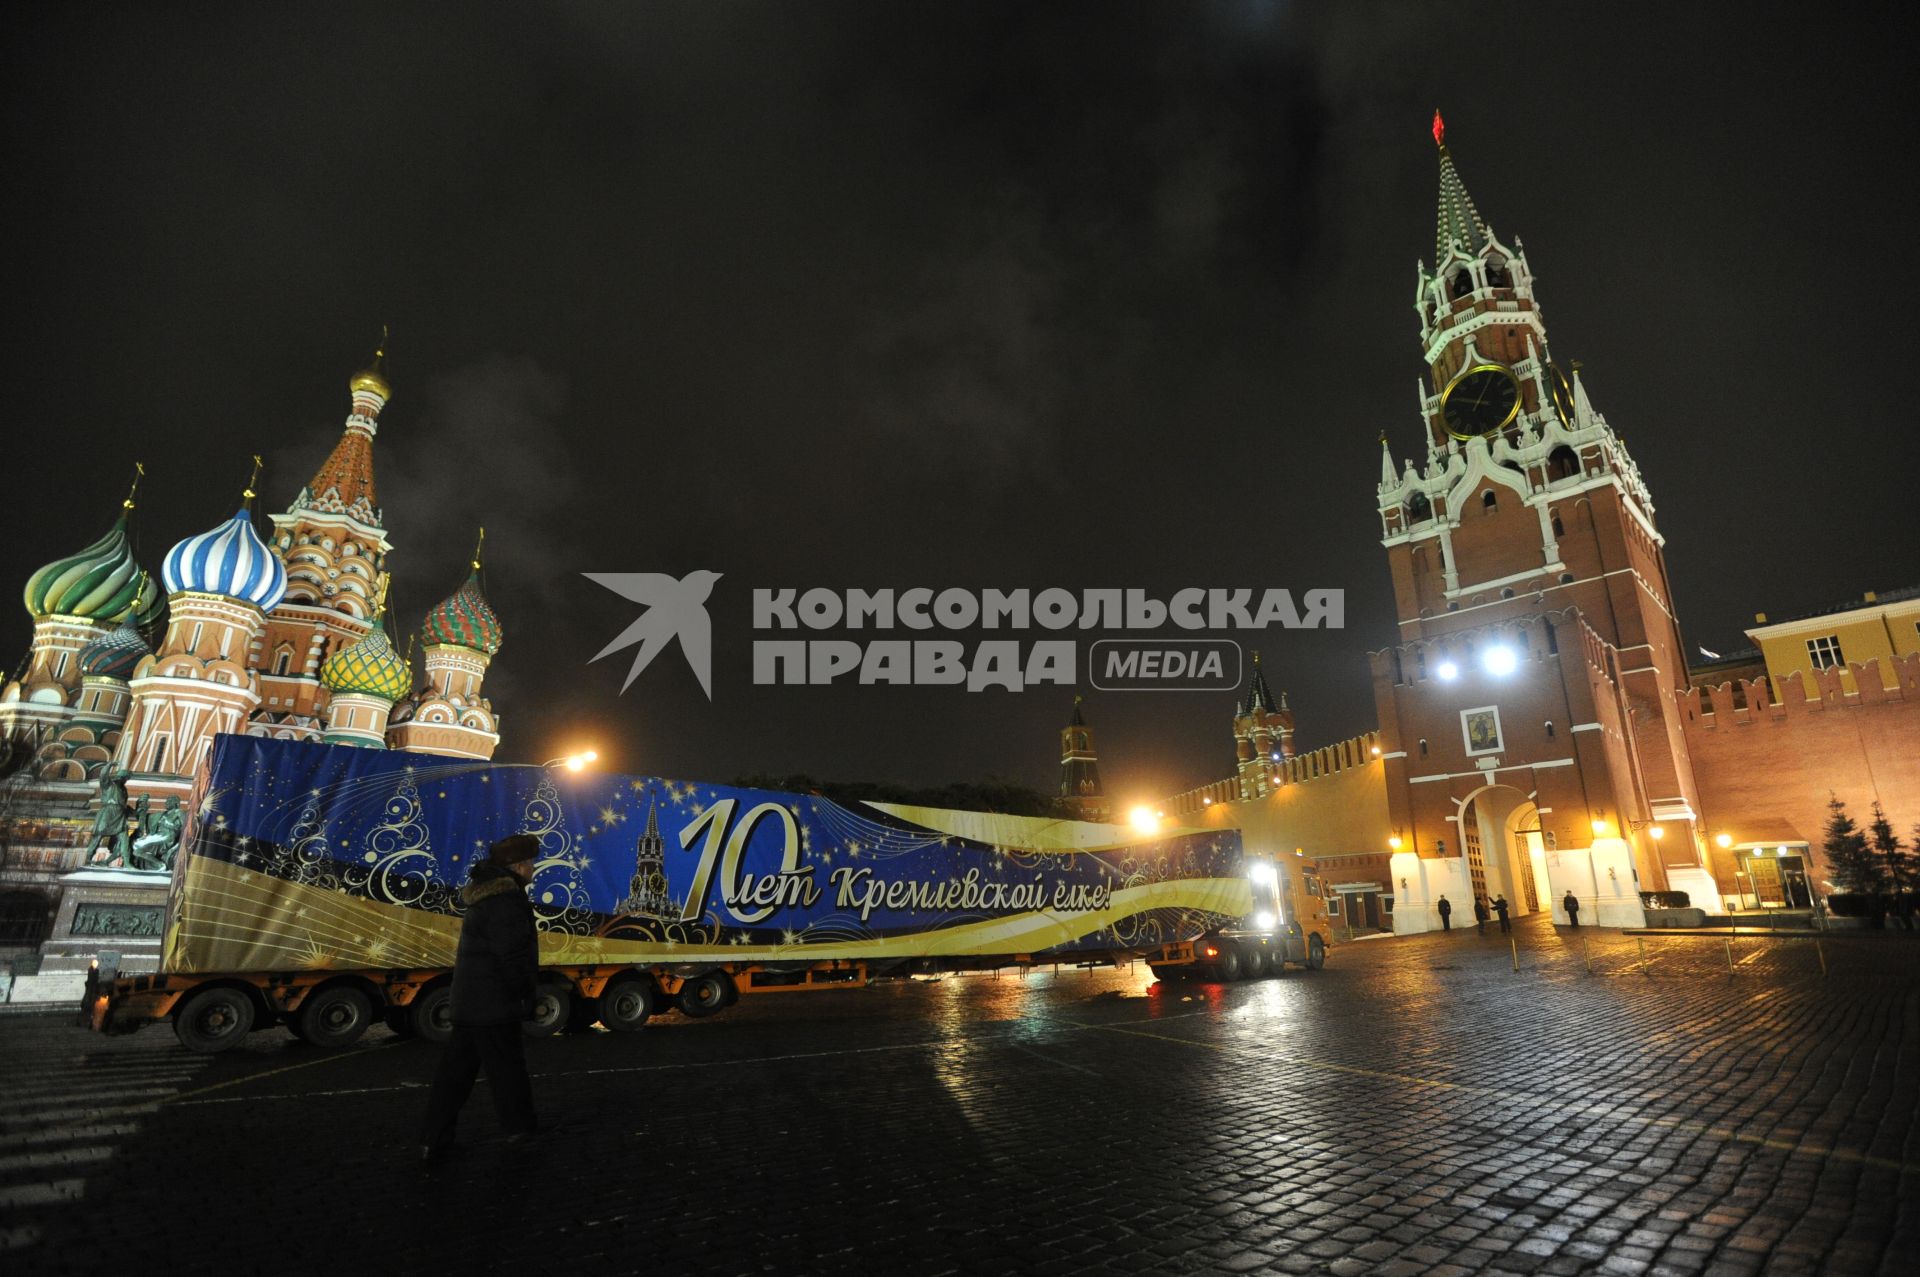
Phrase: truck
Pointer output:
(318, 887)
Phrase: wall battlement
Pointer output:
(1750, 702)
(1303, 768)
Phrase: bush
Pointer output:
(1665, 900)
(1851, 904)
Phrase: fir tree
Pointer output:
(1852, 861)
(1898, 860)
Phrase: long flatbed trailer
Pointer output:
(317, 887)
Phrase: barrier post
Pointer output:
(1642, 942)
(1823, 956)
(1729, 940)
(1513, 942)
(1586, 952)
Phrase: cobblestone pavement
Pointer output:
(1418, 1106)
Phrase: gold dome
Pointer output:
(372, 378)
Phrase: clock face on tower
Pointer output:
(1482, 400)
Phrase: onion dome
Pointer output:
(99, 583)
(370, 667)
(373, 378)
(115, 654)
(464, 620)
(229, 560)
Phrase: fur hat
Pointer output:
(513, 849)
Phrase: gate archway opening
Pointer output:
(1505, 848)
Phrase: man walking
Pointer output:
(1446, 914)
(1480, 915)
(494, 973)
(1572, 905)
(1500, 907)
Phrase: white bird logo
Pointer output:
(675, 609)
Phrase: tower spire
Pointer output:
(1460, 221)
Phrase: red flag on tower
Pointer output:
(1439, 129)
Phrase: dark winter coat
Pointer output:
(1446, 907)
(499, 956)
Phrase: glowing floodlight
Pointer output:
(1144, 819)
(1447, 671)
(1500, 661)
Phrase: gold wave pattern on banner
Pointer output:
(234, 919)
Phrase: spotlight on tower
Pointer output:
(573, 762)
(1447, 671)
(1500, 660)
(1144, 819)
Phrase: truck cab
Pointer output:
(1287, 924)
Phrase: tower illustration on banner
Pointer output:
(647, 892)
(1529, 713)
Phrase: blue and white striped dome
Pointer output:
(229, 560)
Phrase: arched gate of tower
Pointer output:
(1504, 848)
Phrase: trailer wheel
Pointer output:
(627, 1003)
(399, 1020)
(705, 994)
(215, 1019)
(1167, 975)
(1257, 967)
(552, 1007)
(431, 1014)
(1316, 953)
(1226, 967)
(334, 1017)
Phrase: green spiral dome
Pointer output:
(99, 583)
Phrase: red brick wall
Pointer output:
(1765, 774)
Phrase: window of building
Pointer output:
(1423, 747)
(1333, 905)
(156, 761)
(1489, 500)
(1559, 528)
(1826, 652)
(1549, 729)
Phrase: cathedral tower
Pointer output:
(200, 681)
(1539, 661)
(363, 680)
(333, 542)
(449, 715)
(74, 601)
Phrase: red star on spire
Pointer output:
(1439, 129)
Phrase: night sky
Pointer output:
(865, 295)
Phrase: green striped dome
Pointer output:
(464, 620)
(370, 667)
(100, 582)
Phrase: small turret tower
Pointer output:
(1080, 768)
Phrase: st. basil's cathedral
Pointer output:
(128, 680)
